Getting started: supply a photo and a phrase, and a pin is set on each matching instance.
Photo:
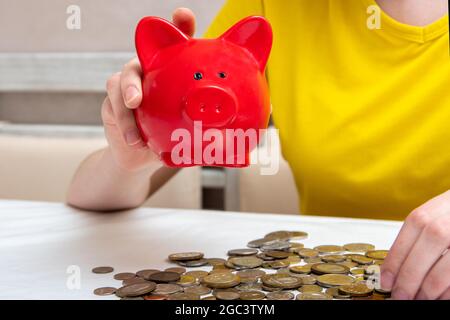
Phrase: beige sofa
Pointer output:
(40, 167)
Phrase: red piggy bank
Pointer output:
(205, 101)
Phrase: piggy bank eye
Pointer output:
(222, 75)
(198, 76)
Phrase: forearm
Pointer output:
(101, 185)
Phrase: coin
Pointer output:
(329, 249)
(276, 245)
(258, 243)
(124, 275)
(280, 295)
(308, 253)
(179, 270)
(246, 262)
(283, 281)
(277, 254)
(134, 280)
(137, 289)
(277, 264)
(313, 296)
(200, 290)
(357, 289)
(164, 276)
(333, 280)
(264, 257)
(183, 296)
(250, 275)
(209, 298)
(193, 263)
(306, 279)
(377, 254)
(357, 271)
(359, 247)
(252, 295)
(155, 297)
(324, 268)
(298, 235)
(278, 235)
(102, 270)
(215, 261)
(167, 288)
(186, 281)
(386, 293)
(349, 264)
(242, 252)
(313, 260)
(249, 286)
(184, 256)
(333, 258)
(334, 292)
(198, 274)
(132, 298)
(294, 259)
(104, 291)
(221, 280)
(310, 288)
(227, 295)
(360, 259)
(305, 269)
(146, 273)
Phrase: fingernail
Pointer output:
(399, 294)
(387, 280)
(132, 137)
(131, 94)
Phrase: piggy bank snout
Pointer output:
(213, 106)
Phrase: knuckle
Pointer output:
(438, 230)
(419, 218)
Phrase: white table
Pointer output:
(39, 241)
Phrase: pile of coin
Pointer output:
(274, 268)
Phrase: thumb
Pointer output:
(184, 19)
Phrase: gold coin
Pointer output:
(221, 280)
(313, 296)
(357, 271)
(333, 258)
(186, 281)
(334, 280)
(183, 296)
(308, 253)
(309, 288)
(277, 254)
(294, 259)
(357, 289)
(360, 259)
(250, 275)
(313, 260)
(329, 249)
(305, 269)
(349, 264)
(283, 281)
(377, 254)
(198, 274)
(324, 268)
(278, 235)
(334, 292)
(359, 247)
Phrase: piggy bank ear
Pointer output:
(255, 34)
(154, 34)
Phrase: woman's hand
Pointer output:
(125, 94)
(418, 264)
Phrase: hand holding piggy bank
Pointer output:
(205, 101)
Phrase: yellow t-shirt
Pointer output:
(363, 113)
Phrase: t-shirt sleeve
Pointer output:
(231, 12)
